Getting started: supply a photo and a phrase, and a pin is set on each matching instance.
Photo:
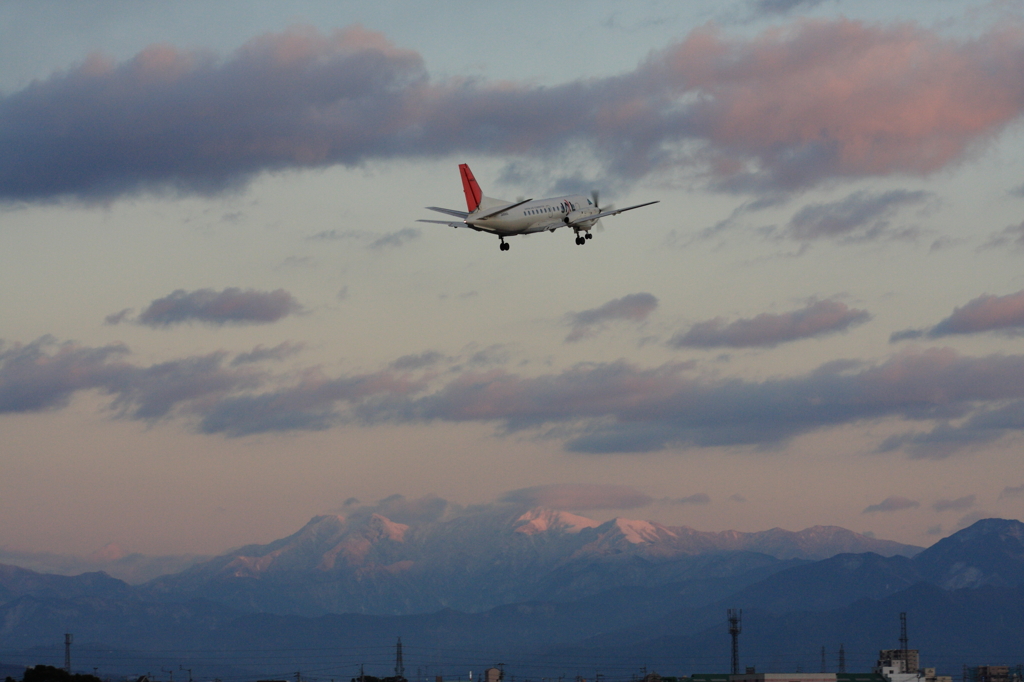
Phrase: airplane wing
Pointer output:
(605, 214)
(449, 211)
(469, 225)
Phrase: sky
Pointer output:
(220, 317)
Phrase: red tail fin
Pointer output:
(469, 186)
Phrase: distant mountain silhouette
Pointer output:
(990, 552)
(473, 561)
(18, 582)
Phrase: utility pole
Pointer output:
(68, 638)
(823, 658)
(399, 665)
(181, 667)
(735, 628)
(842, 658)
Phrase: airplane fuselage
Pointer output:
(542, 215)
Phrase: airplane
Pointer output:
(509, 218)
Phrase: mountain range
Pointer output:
(547, 592)
(369, 563)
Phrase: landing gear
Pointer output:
(581, 239)
(503, 246)
(589, 236)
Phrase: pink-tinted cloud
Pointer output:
(891, 504)
(846, 99)
(786, 109)
(230, 306)
(579, 496)
(767, 330)
(983, 314)
(632, 307)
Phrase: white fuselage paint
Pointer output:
(540, 215)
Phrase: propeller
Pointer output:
(596, 196)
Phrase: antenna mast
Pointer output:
(903, 642)
(68, 639)
(399, 665)
(735, 628)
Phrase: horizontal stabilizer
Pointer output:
(440, 222)
(449, 211)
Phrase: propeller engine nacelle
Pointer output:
(576, 216)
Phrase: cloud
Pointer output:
(396, 238)
(959, 504)
(419, 361)
(118, 317)
(934, 530)
(261, 354)
(891, 504)
(762, 8)
(736, 497)
(983, 314)
(696, 498)
(861, 215)
(786, 109)
(312, 403)
(45, 374)
(225, 398)
(1012, 235)
(907, 334)
(230, 306)
(616, 407)
(579, 496)
(766, 330)
(1012, 492)
(592, 407)
(971, 519)
(943, 441)
(632, 307)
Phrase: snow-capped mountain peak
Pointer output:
(637, 532)
(540, 520)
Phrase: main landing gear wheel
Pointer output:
(589, 236)
(580, 241)
(504, 246)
